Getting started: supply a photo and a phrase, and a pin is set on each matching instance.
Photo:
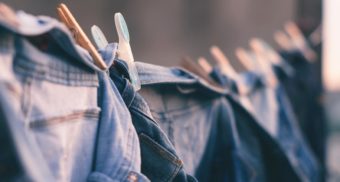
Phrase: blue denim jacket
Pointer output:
(200, 123)
(172, 100)
(83, 131)
(118, 156)
(304, 90)
(160, 161)
(17, 143)
(292, 140)
(288, 134)
(258, 98)
(277, 165)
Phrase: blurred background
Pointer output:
(162, 32)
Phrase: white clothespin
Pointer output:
(124, 50)
(99, 37)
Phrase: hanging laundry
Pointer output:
(159, 159)
(68, 104)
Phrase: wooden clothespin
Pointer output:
(283, 41)
(316, 36)
(261, 47)
(300, 41)
(223, 61)
(265, 57)
(227, 69)
(80, 37)
(193, 67)
(257, 60)
(293, 30)
(8, 15)
(205, 64)
(245, 58)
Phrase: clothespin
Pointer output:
(251, 59)
(283, 41)
(99, 37)
(265, 56)
(295, 33)
(124, 50)
(223, 61)
(227, 69)
(261, 47)
(300, 41)
(316, 36)
(205, 64)
(192, 66)
(8, 15)
(245, 58)
(80, 37)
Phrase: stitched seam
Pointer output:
(181, 111)
(162, 151)
(137, 110)
(41, 71)
(66, 68)
(71, 117)
(59, 80)
(174, 174)
(54, 72)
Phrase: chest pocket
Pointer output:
(63, 120)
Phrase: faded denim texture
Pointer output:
(75, 114)
(288, 134)
(201, 125)
(305, 91)
(160, 161)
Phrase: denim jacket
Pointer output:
(288, 134)
(79, 122)
(201, 124)
(160, 161)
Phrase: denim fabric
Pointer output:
(16, 143)
(248, 158)
(60, 102)
(225, 81)
(233, 86)
(200, 123)
(118, 156)
(259, 99)
(160, 161)
(288, 133)
(304, 90)
(60, 123)
(292, 141)
(275, 162)
(287, 136)
(172, 100)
